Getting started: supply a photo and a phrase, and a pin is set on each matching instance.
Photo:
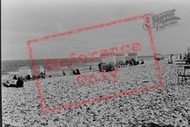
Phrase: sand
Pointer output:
(167, 105)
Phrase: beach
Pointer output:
(169, 105)
(106, 63)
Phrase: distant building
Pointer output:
(120, 57)
(24, 71)
(112, 57)
(133, 55)
(108, 57)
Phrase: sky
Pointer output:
(23, 20)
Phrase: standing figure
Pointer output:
(171, 57)
(170, 60)
(90, 67)
(63, 72)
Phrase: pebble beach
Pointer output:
(169, 105)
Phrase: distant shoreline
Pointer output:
(13, 65)
(75, 58)
(165, 55)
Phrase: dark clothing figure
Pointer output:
(90, 68)
(73, 71)
(137, 62)
(63, 72)
(19, 83)
(77, 72)
(132, 62)
(142, 62)
(111, 67)
(15, 78)
(127, 62)
(28, 77)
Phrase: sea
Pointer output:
(13, 65)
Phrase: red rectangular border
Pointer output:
(39, 92)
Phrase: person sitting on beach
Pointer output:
(15, 79)
(142, 62)
(127, 62)
(27, 77)
(19, 83)
(137, 62)
(132, 62)
(77, 72)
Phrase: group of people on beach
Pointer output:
(17, 82)
(75, 71)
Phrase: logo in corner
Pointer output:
(161, 21)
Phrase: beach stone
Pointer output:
(169, 105)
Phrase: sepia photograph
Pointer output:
(95, 63)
